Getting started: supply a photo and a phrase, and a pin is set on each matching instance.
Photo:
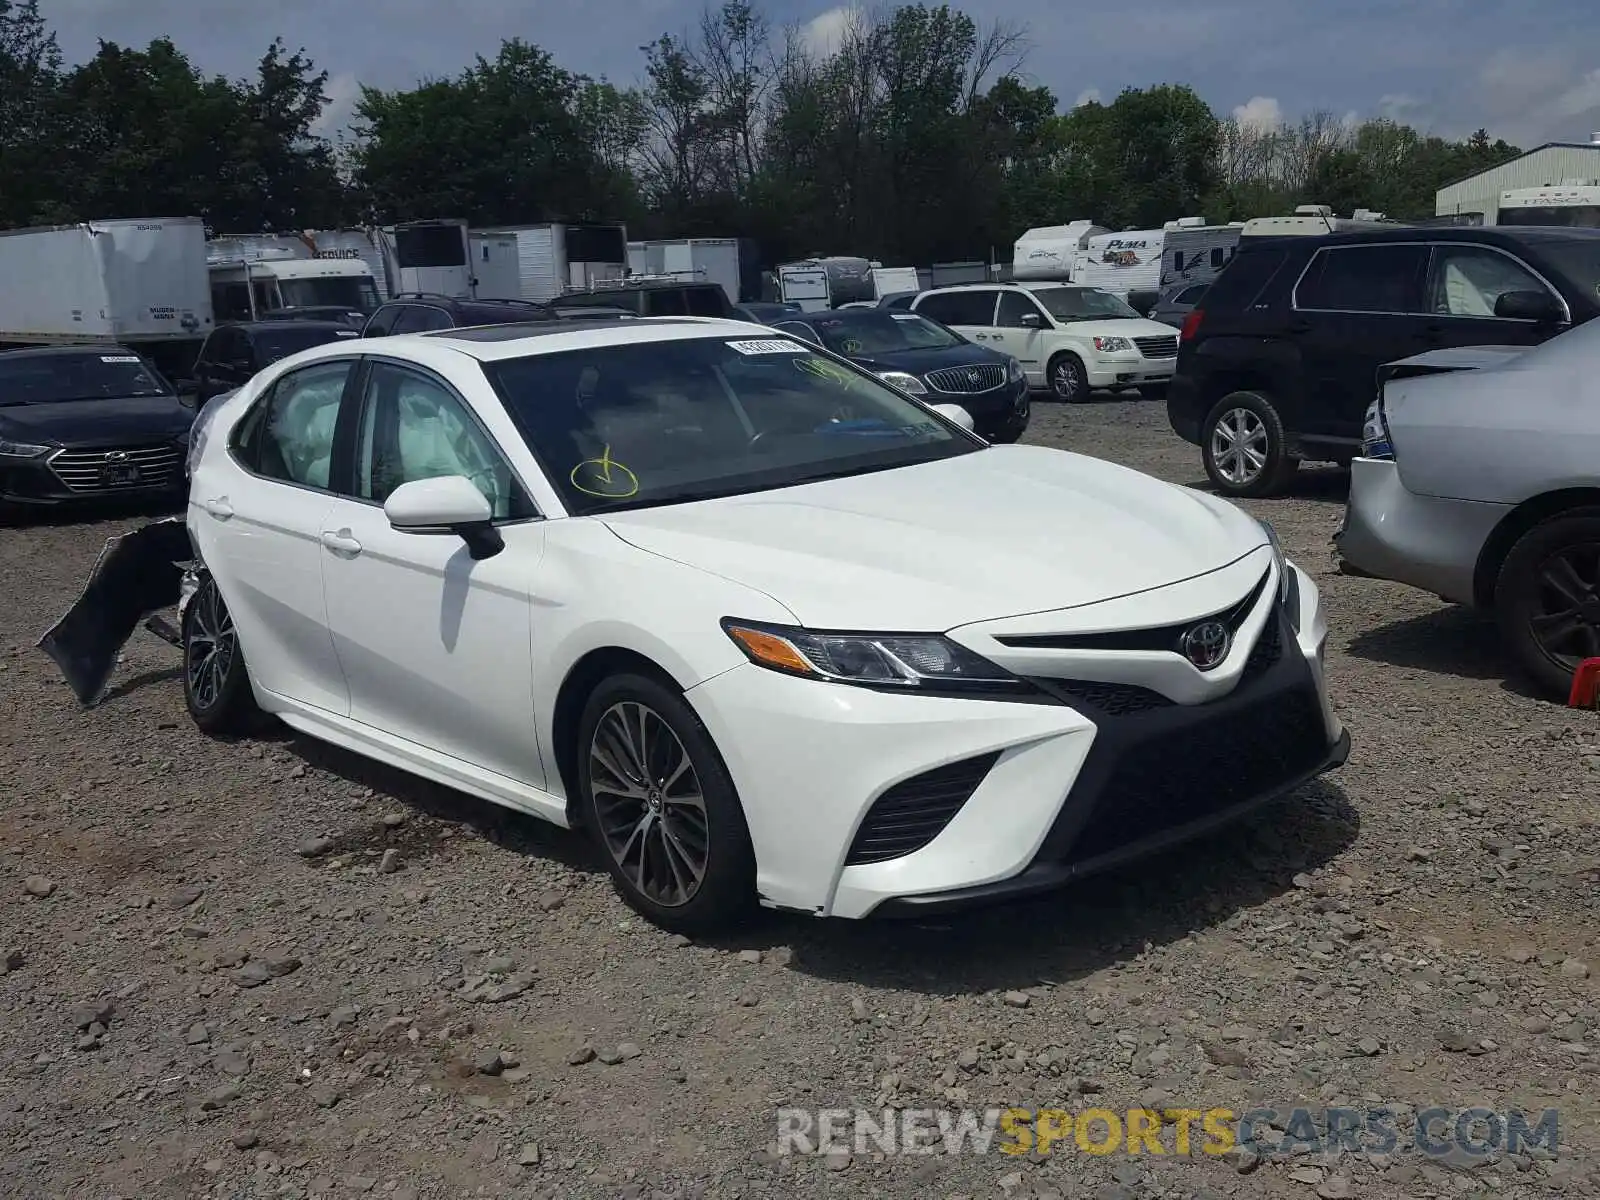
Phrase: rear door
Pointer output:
(1464, 281)
(1355, 308)
(970, 311)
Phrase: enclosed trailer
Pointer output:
(1316, 220)
(555, 258)
(805, 284)
(1195, 252)
(496, 267)
(1121, 263)
(886, 281)
(692, 260)
(1052, 251)
(428, 256)
(946, 274)
(138, 282)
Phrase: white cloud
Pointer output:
(1089, 95)
(1259, 112)
(343, 92)
(825, 33)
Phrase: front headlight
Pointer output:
(10, 449)
(1112, 345)
(909, 662)
(903, 381)
(1288, 581)
(1013, 370)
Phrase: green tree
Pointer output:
(30, 65)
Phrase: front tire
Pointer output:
(1068, 381)
(661, 805)
(1244, 447)
(1547, 599)
(216, 682)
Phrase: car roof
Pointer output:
(70, 350)
(1492, 235)
(489, 343)
(280, 326)
(1029, 286)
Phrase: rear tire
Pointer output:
(1244, 447)
(1547, 599)
(216, 682)
(1067, 379)
(659, 802)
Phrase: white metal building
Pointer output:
(1546, 166)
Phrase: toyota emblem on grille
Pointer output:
(117, 456)
(1207, 644)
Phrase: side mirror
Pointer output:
(955, 413)
(447, 504)
(1540, 307)
(1032, 321)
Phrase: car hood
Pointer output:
(920, 362)
(997, 533)
(115, 422)
(1128, 327)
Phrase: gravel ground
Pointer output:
(217, 982)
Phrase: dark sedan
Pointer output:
(928, 360)
(88, 422)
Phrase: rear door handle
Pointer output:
(982, 337)
(340, 542)
(1300, 325)
(219, 508)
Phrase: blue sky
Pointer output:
(1528, 71)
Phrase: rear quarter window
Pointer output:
(1244, 279)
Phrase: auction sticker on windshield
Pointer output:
(767, 346)
(133, 358)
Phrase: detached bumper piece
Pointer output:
(136, 575)
(1161, 773)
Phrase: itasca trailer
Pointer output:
(1574, 203)
(557, 258)
(1120, 263)
(139, 282)
(1052, 252)
(1194, 252)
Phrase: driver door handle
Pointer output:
(219, 507)
(340, 542)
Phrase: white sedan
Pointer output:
(766, 627)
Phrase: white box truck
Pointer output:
(138, 282)
(690, 260)
(252, 285)
(556, 258)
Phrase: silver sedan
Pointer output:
(1479, 481)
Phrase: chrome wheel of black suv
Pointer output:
(1244, 447)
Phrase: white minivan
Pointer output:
(1070, 339)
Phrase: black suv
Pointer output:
(657, 299)
(418, 312)
(233, 353)
(1279, 362)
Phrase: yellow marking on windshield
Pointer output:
(615, 481)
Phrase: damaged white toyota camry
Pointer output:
(769, 629)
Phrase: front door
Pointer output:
(1464, 282)
(437, 647)
(1011, 336)
(265, 516)
(1356, 308)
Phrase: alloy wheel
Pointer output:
(1564, 617)
(1066, 379)
(211, 647)
(649, 804)
(1239, 446)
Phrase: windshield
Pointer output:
(1081, 304)
(56, 378)
(273, 344)
(346, 291)
(1582, 216)
(662, 422)
(861, 335)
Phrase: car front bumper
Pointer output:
(1003, 410)
(1424, 541)
(1053, 790)
(77, 476)
(1128, 370)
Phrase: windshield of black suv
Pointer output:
(92, 375)
(867, 332)
(346, 291)
(1081, 304)
(631, 426)
(273, 344)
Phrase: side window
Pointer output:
(230, 301)
(1467, 280)
(706, 302)
(289, 435)
(1217, 257)
(210, 349)
(1191, 295)
(1013, 307)
(959, 308)
(419, 318)
(1177, 260)
(413, 427)
(1364, 279)
(382, 322)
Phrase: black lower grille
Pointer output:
(1203, 768)
(1265, 653)
(915, 811)
(1110, 699)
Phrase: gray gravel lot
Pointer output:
(200, 999)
